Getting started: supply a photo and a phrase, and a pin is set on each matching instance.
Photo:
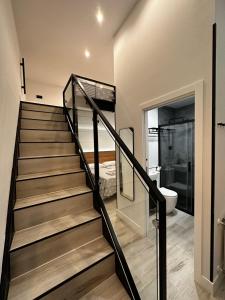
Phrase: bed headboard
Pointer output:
(103, 156)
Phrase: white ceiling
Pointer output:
(53, 35)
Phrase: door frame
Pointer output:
(195, 89)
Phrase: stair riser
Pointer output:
(85, 282)
(34, 255)
(46, 125)
(34, 215)
(45, 108)
(45, 149)
(42, 115)
(37, 186)
(45, 136)
(39, 165)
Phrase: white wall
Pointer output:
(220, 135)
(9, 104)
(52, 94)
(164, 46)
(152, 140)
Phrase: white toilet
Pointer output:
(171, 199)
(169, 195)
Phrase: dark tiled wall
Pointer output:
(172, 115)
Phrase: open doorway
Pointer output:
(170, 162)
(170, 150)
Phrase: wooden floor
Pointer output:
(141, 257)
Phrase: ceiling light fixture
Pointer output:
(87, 53)
(99, 16)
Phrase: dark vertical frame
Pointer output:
(162, 251)
(75, 121)
(214, 36)
(23, 86)
(96, 151)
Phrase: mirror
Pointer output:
(126, 170)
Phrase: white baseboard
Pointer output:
(211, 287)
(137, 228)
(205, 284)
(218, 282)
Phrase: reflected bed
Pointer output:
(107, 176)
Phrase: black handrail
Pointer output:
(154, 193)
(22, 64)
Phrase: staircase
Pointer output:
(58, 249)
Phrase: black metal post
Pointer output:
(162, 251)
(73, 86)
(96, 151)
(24, 79)
(75, 117)
(213, 169)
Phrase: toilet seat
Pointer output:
(167, 193)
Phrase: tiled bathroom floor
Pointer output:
(141, 257)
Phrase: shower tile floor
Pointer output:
(140, 254)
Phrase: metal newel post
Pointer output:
(162, 251)
(96, 151)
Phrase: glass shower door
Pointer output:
(177, 161)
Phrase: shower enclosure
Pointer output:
(176, 158)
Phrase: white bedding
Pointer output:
(107, 174)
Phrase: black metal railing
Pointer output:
(73, 90)
(97, 89)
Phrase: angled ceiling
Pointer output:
(54, 34)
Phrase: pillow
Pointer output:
(110, 163)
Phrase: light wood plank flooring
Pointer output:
(141, 257)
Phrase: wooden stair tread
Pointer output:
(43, 111)
(48, 197)
(50, 275)
(41, 231)
(111, 288)
(42, 104)
(47, 174)
(47, 156)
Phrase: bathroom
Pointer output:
(170, 153)
(170, 162)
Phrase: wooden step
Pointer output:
(42, 183)
(50, 163)
(30, 135)
(111, 288)
(45, 149)
(80, 285)
(42, 107)
(32, 215)
(41, 124)
(39, 244)
(49, 197)
(53, 274)
(36, 115)
(41, 231)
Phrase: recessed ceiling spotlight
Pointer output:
(87, 53)
(99, 16)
